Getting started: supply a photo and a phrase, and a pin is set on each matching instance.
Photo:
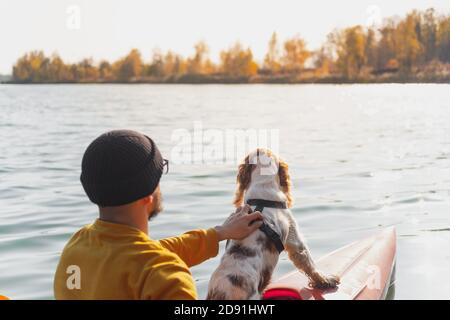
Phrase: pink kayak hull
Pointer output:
(366, 269)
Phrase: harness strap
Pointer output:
(268, 231)
(267, 203)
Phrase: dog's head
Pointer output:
(262, 166)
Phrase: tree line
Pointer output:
(415, 46)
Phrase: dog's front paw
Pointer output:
(320, 281)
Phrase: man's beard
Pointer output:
(157, 198)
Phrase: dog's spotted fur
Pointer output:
(240, 252)
(247, 265)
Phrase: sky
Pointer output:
(108, 29)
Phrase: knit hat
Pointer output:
(120, 167)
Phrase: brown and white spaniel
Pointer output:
(247, 265)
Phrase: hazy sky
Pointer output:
(110, 28)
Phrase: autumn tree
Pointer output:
(238, 62)
(200, 62)
(105, 70)
(387, 45)
(351, 51)
(294, 54)
(156, 66)
(408, 48)
(173, 65)
(370, 50)
(428, 35)
(169, 64)
(22, 70)
(58, 70)
(130, 67)
(32, 67)
(272, 58)
(323, 61)
(85, 71)
(443, 39)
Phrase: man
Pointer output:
(114, 258)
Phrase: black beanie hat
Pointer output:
(120, 167)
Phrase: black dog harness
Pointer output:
(268, 231)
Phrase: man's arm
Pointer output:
(196, 246)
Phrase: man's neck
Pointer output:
(123, 216)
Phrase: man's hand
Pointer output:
(239, 224)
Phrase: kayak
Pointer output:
(366, 269)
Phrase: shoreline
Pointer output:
(333, 81)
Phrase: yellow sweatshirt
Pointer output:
(106, 260)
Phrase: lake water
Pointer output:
(362, 157)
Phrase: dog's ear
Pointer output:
(285, 181)
(243, 180)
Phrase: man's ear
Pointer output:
(147, 199)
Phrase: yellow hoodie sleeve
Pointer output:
(193, 247)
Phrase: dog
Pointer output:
(247, 265)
